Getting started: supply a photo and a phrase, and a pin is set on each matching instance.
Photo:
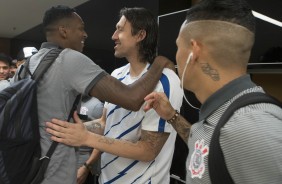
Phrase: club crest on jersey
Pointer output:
(197, 164)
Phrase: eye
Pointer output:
(119, 29)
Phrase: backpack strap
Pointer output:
(24, 70)
(217, 167)
(54, 144)
(45, 63)
(46, 159)
(42, 67)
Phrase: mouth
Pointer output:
(117, 44)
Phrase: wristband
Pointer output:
(174, 117)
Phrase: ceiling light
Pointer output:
(256, 14)
(267, 19)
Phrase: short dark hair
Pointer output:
(56, 13)
(143, 19)
(234, 11)
(5, 58)
(20, 55)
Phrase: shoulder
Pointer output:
(73, 61)
(169, 83)
(260, 112)
(170, 74)
(169, 79)
(255, 114)
(120, 72)
(249, 124)
(73, 57)
(252, 134)
(70, 55)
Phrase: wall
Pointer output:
(272, 83)
(5, 45)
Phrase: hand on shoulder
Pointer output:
(166, 62)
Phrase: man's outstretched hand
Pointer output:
(73, 134)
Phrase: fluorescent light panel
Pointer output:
(267, 19)
(256, 14)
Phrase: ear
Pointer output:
(141, 35)
(63, 31)
(196, 49)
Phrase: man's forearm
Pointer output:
(132, 96)
(140, 150)
(182, 127)
(122, 148)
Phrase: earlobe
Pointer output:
(189, 57)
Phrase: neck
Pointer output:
(136, 66)
(212, 86)
(54, 39)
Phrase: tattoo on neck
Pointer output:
(207, 69)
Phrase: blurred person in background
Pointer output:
(5, 63)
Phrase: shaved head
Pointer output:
(220, 35)
(226, 43)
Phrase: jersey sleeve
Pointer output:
(79, 72)
(170, 85)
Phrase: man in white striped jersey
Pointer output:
(137, 146)
(214, 46)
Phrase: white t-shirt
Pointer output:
(127, 125)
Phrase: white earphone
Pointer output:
(182, 79)
(189, 57)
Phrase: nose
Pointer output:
(1, 70)
(114, 36)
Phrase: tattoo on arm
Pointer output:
(182, 127)
(106, 140)
(207, 69)
(94, 126)
(155, 140)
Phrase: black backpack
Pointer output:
(19, 125)
(217, 167)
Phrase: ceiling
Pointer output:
(21, 19)
(18, 16)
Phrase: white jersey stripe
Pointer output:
(117, 123)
